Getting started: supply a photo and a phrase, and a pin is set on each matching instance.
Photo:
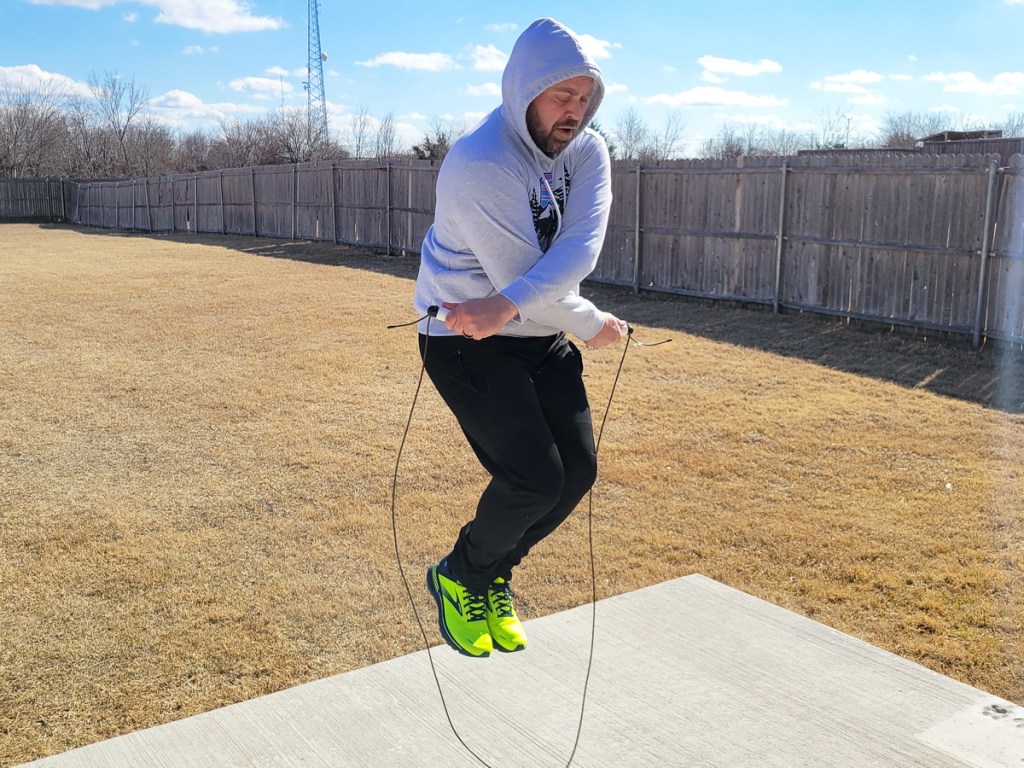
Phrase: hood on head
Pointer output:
(546, 53)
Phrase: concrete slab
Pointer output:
(686, 673)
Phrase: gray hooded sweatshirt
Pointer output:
(511, 220)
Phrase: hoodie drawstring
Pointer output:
(554, 204)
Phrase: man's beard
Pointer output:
(548, 143)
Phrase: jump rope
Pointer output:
(438, 313)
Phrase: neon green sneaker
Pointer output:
(502, 622)
(461, 614)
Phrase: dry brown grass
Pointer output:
(197, 441)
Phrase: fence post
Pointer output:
(334, 213)
(388, 204)
(220, 202)
(252, 177)
(637, 252)
(195, 201)
(295, 195)
(780, 238)
(986, 245)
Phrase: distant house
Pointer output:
(972, 143)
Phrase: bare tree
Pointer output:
(902, 130)
(631, 135)
(359, 132)
(782, 143)
(834, 129)
(1013, 125)
(664, 146)
(439, 138)
(31, 131)
(118, 103)
(386, 144)
(727, 144)
(192, 152)
(151, 147)
(241, 143)
(291, 136)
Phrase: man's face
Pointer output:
(554, 117)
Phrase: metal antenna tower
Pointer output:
(315, 100)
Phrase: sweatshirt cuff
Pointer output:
(522, 294)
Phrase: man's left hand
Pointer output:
(480, 318)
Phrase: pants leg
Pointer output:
(523, 408)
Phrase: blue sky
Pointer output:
(783, 65)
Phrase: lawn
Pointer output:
(198, 435)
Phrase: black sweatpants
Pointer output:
(522, 405)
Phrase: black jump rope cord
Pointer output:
(432, 313)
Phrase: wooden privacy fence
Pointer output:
(386, 206)
(928, 241)
(932, 242)
(33, 199)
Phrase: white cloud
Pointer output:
(855, 84)
(911, 57)
(91, 5)
(428, 62)
(856, 76)
(669, 69)
(31, 77)
(131, 18)
(598, 49)
(718, 69)
(212, 16)
(1003, 84)
(615, 88)
(280, 72)
(487, 89)
(504, 27)
(869, 99)
(488, 58)
(193, 50)
(222, 16)
(709, 96)
(838, 87)
(901, 78)
(183, 109)
(260, 86)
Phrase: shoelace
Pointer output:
(501, 599)
(476, 606)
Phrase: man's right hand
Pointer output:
(612, 332)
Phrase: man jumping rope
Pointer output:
(522, 208)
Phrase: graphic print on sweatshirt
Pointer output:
(545, 220)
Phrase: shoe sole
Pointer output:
(499, 647)
(436, 594)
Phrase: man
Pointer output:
(522, 208)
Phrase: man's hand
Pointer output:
(480, 318)
(612, 332)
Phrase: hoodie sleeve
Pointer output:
(495, 223)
